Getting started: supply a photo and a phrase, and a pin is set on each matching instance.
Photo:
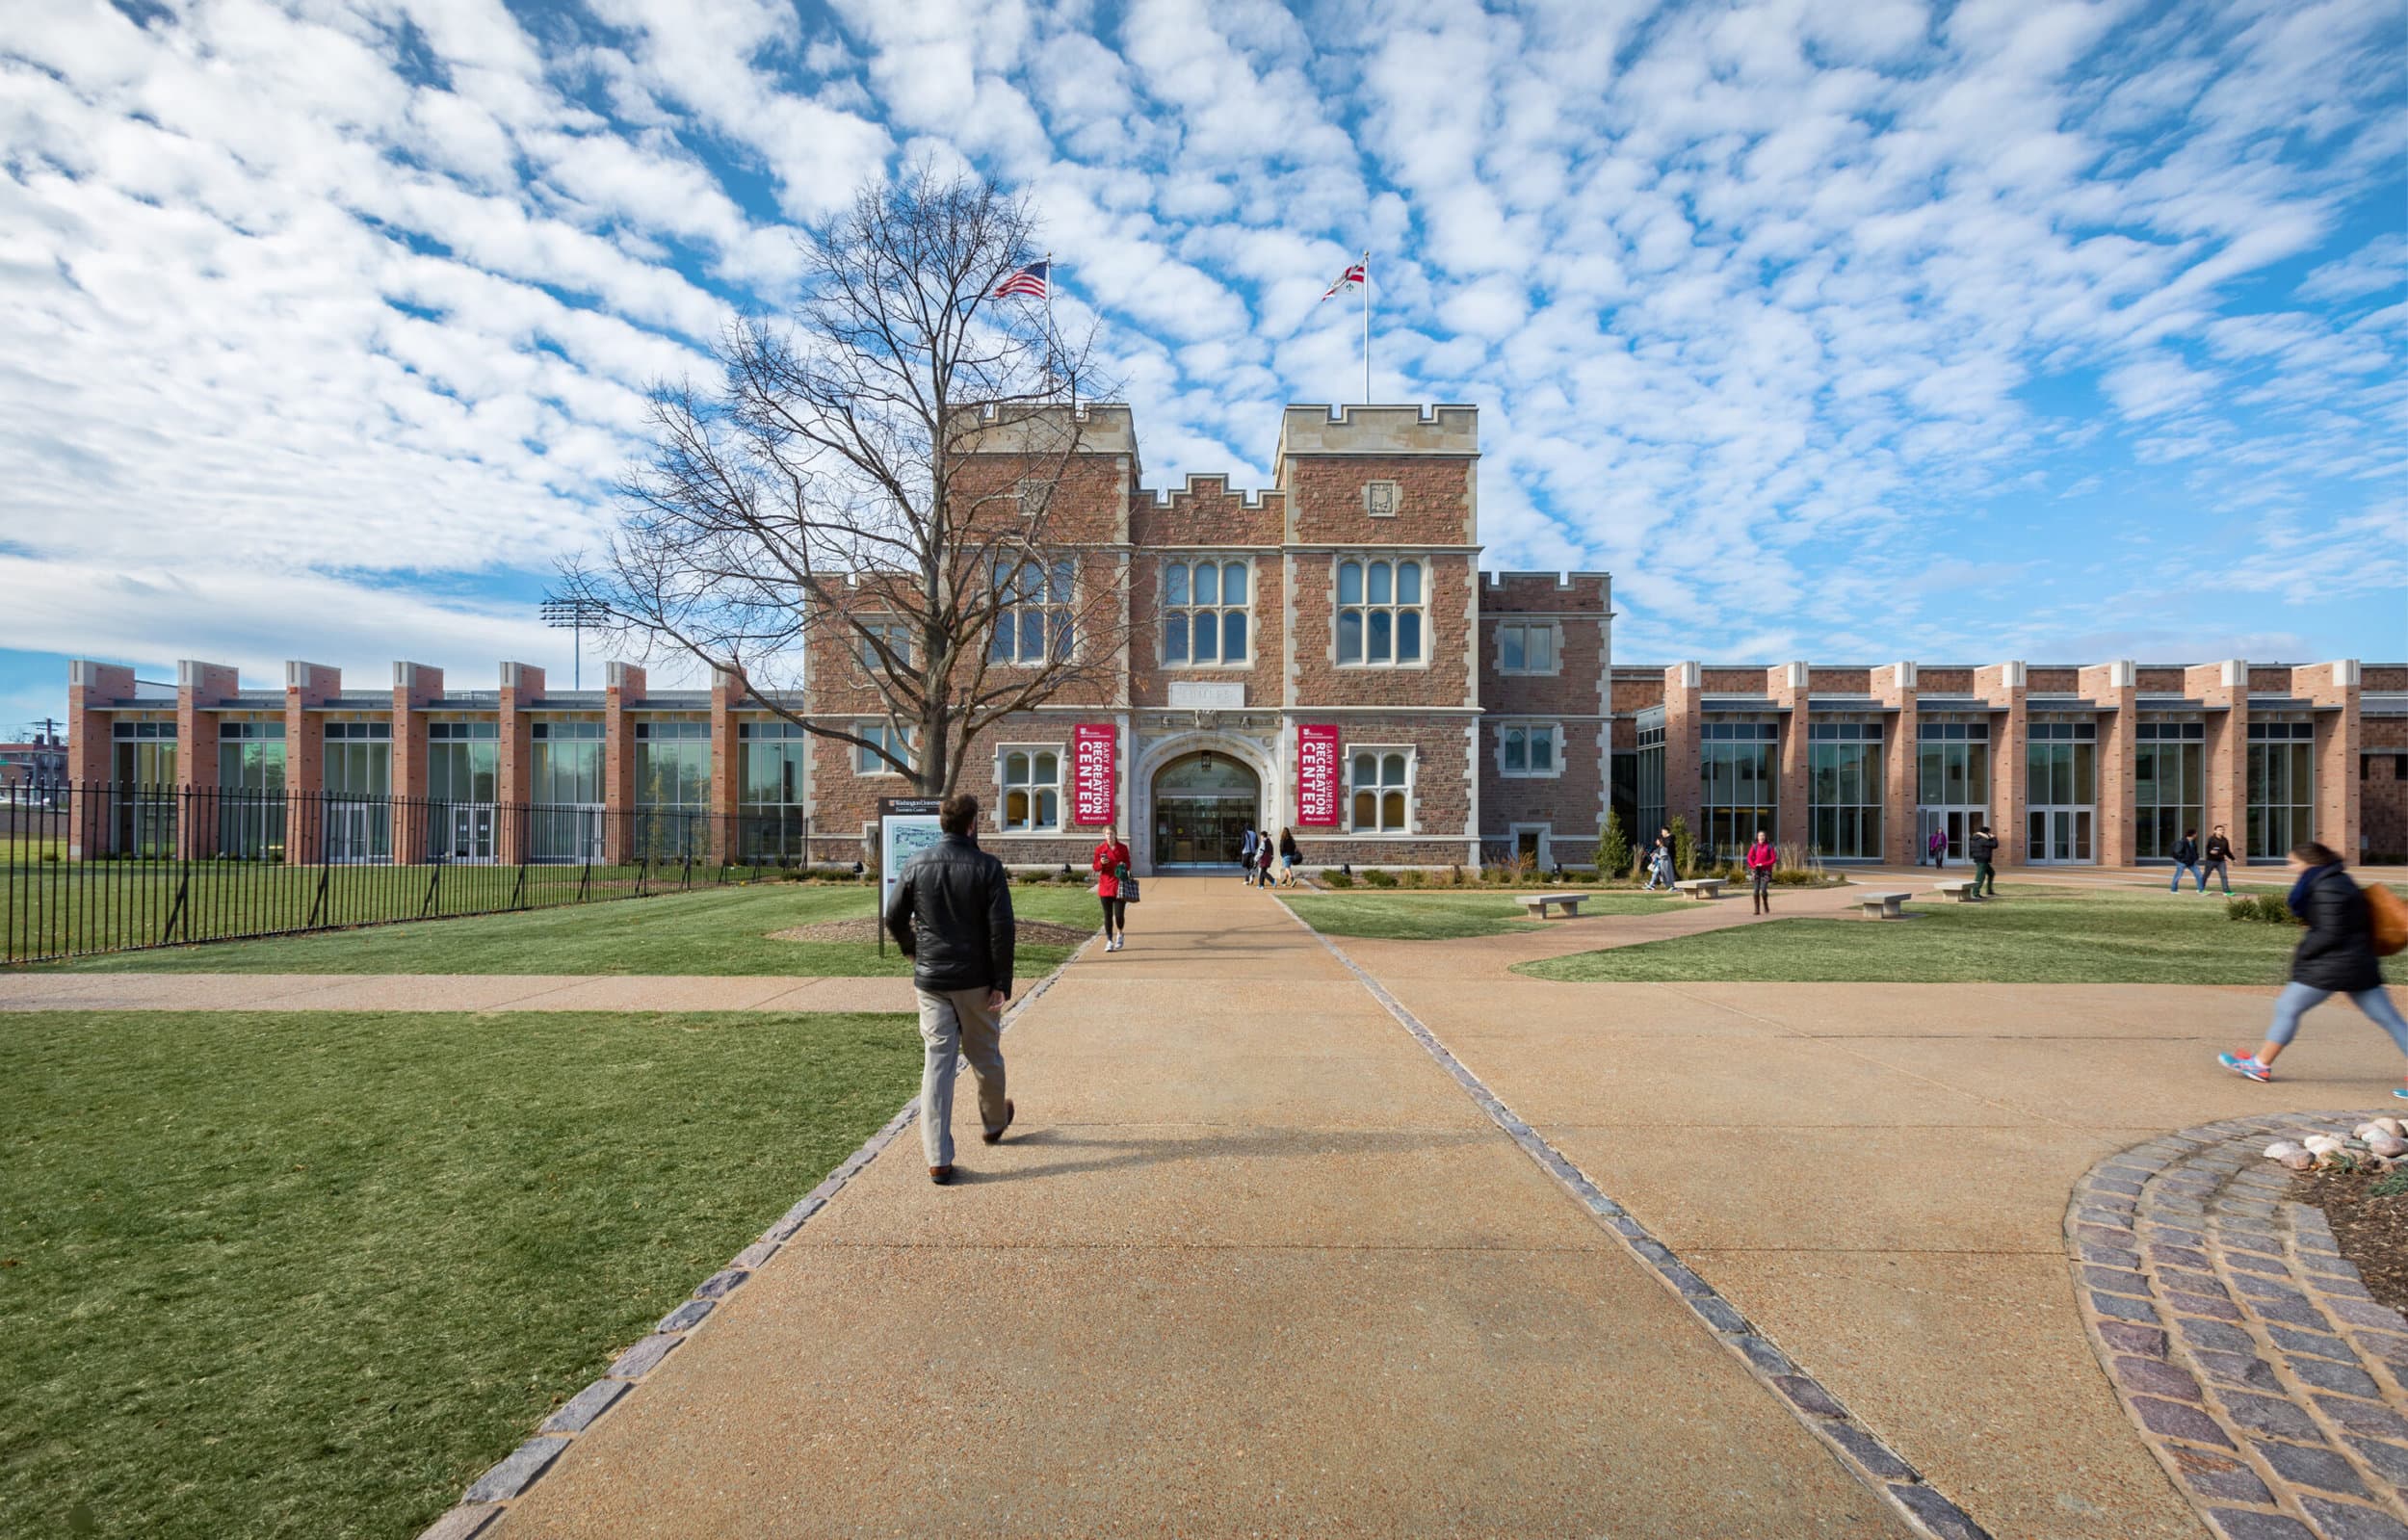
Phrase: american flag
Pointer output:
(1351, 275)
(1030, 280)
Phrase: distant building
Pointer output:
(1325, 655)
(38, 764)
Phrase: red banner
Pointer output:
(1316, 777)
(1091, 748)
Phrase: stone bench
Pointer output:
(1884, 905)
(1961, 890)
(1701, 888)
(1537, 903)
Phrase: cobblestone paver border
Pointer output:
(490, 1493)
(2253, 1361)
(1926, 1510)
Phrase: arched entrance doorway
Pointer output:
(1202, 805)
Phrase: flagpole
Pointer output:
(1366, 326)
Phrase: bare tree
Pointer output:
(872, 485)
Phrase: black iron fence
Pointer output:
(114, 867)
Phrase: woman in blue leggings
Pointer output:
(2334, 957)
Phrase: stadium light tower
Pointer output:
(574, 615)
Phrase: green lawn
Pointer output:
(55, 909)
(308, 1275)
(1443, 916)
(721, 930)
(2052, 936)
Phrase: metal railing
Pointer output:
(116, 867)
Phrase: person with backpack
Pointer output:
(1762, 858)
(2348, 927)
(1983, 848)
(2219, 861)
(1263, 854)
(2186, 859)
(1245, 857)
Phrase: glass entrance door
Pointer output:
(1203, 805)
(2060, 759)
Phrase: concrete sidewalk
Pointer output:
(1877, 1174)
(1251, 1262)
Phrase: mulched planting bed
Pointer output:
(2372, 1230)
(1038, 933)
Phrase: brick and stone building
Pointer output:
(1323, 654)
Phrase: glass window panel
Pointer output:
(1015, 770)
(1515, 755)
(1408, 636)
(1542, 647)
(1207, 639)
(1380, 579)
(1392, 811)
(1366, 771)
(1061, 582)
(1175, 583)
(1350, 635)
(1542, 750)
(1207, 583)
(1016, 809)
(1048, 770)
(1350, 582)
(1032, 635)
(1509, 646)
(1365, 810)
(1392, 769)
(1378, 649)
(1408, 582)
(1048, 809)
(1233, 583)
(1232, 637)
(1175, 639)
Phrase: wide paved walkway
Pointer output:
(1249, 1264)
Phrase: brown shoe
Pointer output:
(941, 1174)
(995, 1135)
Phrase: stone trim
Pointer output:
(2247, 1351)
(493, 1493)
(1924, 1510)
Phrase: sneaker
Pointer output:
(2402, 1094)
(2248, 1068)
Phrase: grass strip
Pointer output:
(2097, 937)
(1443, 916)
(722, 931)
(308, 1275)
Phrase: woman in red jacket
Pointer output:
(1111, 865)
(1762, 858)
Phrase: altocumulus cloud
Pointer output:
(1824, 325)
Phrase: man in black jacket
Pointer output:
(1983, 848)
(952, 916)
(2219, 861)
(2186, 859)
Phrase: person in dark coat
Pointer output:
(2219, 861)
(1983, 848)
(952, 916)
(2186, 859)
(2334, 957)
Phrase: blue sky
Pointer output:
(1848, 330)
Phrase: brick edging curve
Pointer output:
(2243, 1346)
(1924, 1508)
(489, 1495)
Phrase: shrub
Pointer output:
(1614, 845)
(1338, 879)
(1454, 874)
(2267, 908)
(1377, 879)
(1417, 878)
(1684, 849)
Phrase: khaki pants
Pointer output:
(957, 1025)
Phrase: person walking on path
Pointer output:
(2219, 861)
(1660, 861)
(2186, 859)
(1761, 860)
(1110, 866)
(2334, 957)
(951, 917)
(1261, 862)
(1245, 857)
(1287, 858)
(1983, 848)
(1937, 849)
